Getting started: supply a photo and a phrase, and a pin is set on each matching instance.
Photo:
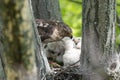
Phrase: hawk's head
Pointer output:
(51, 30)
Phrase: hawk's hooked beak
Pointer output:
(71, 36)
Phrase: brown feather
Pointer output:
(51, 30)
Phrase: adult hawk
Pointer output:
(51, 30)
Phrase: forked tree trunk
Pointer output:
(98, 38)
(19, 55)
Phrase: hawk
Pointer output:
(51, 30)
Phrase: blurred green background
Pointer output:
(72, 15)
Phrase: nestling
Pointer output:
(55, 51)
(78, 42)
(72, 54)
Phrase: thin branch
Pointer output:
(79, 2)
(63, 69)
(118, 4)
(118, 20)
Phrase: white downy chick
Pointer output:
(55, 51)
(78, 45)
(77, 39)
(71, 55)
(78, 42)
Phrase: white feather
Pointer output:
(71, 55)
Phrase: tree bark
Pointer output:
(44, 9)
(18, 56)
(2, 74)
(98, 38)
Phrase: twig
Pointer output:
(118, 4)
(63, 69)
(79, 2)
(118, 20)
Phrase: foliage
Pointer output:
(72, 15)
(118, 27)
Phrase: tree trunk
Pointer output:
(98, 38)
(2, 74)
(19, 58)
(44, 9)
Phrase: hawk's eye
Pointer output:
(71, 36)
